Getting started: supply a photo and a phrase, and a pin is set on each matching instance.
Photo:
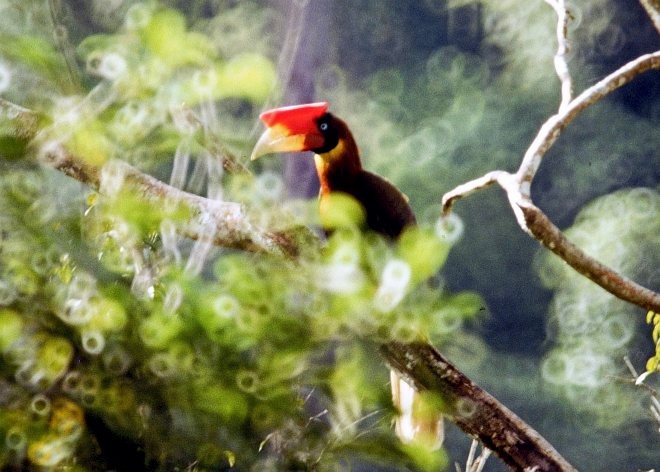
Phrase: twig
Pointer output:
(470, 187)
(474, 410)
(638, 380)
(533, 220)
(561, 65)
(475, 464)
(186, 121)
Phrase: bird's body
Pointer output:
(386, 209)
(340, 170)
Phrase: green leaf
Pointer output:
(423, 251)
(11, 326)
(340, 210)
(36, 53)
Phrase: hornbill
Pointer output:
(311, 127)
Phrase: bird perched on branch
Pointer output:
(311, 127)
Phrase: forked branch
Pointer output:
(531, 219)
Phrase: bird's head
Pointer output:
(298, 128)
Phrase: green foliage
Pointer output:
(139, 76)
(423, 251)
(222, 360)
(111, 326)
(115, 332)
(653, 364)
(11, 324)
(35, 53)
(341, 211)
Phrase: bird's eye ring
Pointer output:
(323, 126)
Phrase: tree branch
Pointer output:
(223, 223)
(531, 219)
(474, 410)
(551, 237)
(552, 128)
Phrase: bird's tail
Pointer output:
(417, 421)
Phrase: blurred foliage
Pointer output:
(262, 359)
(123, 345)
(116, 335)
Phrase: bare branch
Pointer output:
(475, 463)
(474, 410)
(470, 187)
(638, 380)
(532, 220)
(552, 128)
(540, 226)
(652, 7)
(561, 64)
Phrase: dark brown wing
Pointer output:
(387, 208)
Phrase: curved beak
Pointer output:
(279, 139)
(290, 129)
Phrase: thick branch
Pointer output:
(223, 223)
(474, 410)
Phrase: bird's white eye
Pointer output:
(323, 126)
